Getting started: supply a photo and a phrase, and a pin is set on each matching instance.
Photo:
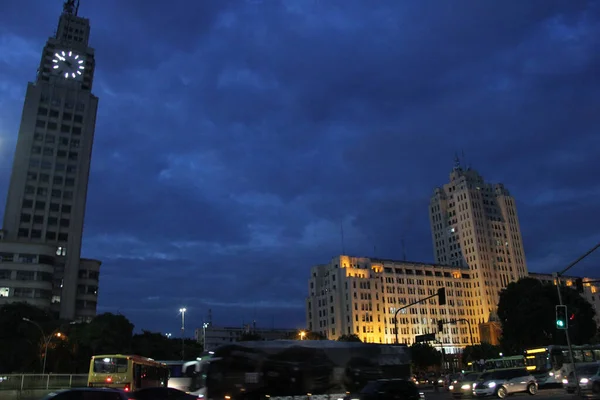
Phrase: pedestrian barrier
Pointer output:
(22, 382)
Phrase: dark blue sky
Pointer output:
(233, 137)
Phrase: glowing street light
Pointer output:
(46, 340)
(302, 335)
(182, 311)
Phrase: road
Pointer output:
(545, 394)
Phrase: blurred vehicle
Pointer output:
(388, 389)
(589, 379)
(552, 364)
(89, 394)
(463, 387)
(126, 372)
(505, 382)
(162, 393)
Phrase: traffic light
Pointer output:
(579, 285)
(441, 296)
(561, 317)
(440, 326)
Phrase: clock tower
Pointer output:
(46, 200)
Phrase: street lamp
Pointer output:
(182, 312)
(204, 326)
(168, 335)
(46, 340)
(302, 335)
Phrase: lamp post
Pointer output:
(46, 340)
(302, 335)
(204, 326)
(182, 312)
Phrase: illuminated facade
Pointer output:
(591, 291)
(45, 206)
(475, 225)
(359, 295)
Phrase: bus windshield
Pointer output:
(110, 365)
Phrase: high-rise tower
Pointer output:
(475, 224)
(46, 200)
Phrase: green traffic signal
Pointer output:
(561, 317)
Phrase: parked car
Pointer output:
(89, 394)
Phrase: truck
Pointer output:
(287, 368)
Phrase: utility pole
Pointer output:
(182, 312)
(557, 276)
(441, 294)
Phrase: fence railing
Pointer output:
(39, 381)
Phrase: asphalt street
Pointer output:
(541, 395)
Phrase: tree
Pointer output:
(481, 351)
(156, 345)
(306, 335)
(425, 356)
(527, 312)
(250, 337)
(21, 342)
(349, 338)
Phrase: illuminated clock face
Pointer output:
(68, 64)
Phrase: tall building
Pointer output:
(475, 225)
(360, 295)
(40, 251)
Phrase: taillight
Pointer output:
(109, 379)
(127, 387)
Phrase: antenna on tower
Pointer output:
(71, 7)
(209, 317)
(342, 236)
(456, 162)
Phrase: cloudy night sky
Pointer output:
(235, 137)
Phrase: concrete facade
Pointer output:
(475, 225)
(360, 295)
(45, 206)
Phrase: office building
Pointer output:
(360, 295)
(45, 207)
(212, 336)
(475, 225)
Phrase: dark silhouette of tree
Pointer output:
(250, 337)
(349, 338)
(21, 343)
(308, 335)
(424, 356)
(479, 352)
(527, 312)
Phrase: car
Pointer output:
(463, 387)
(89, 394)
(384, 389)
(161, 393)
(505, 382)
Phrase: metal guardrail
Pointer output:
(39, 381)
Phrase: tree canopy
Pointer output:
(424, 356)
(349, 338)
(528, 315)
(22, 342)
(481, 351)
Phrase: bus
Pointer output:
(182, 373)
(126, 372)
(282, 368)
(551, 364)
(504, 363)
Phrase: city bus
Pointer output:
(282, 368)
(551, 364)
(182, 374)
(504, 363)
(127, 372)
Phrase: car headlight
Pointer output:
(466, 387)
(451, 387)
(492, 384)
(565, 382)
(584, 380)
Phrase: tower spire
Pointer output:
(456, 162)
(71, 7)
